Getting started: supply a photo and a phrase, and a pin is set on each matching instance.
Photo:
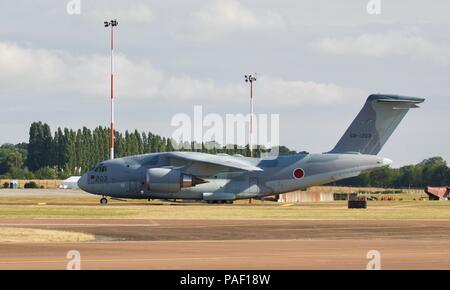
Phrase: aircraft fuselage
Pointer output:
(126, 177)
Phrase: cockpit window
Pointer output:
(101, 168)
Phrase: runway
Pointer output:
(43, 193)
(236, 244)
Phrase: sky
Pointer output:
(317, 61)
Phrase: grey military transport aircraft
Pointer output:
(225, 178)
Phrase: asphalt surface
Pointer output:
(42, 193)
(237, 244)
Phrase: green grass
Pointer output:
(379, 210)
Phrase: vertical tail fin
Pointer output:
(375, 123)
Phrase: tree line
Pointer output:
(430, 172)
(69, 152)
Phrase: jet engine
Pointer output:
(170, 180)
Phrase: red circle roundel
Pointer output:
(299, 173)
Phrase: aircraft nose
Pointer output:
(387, 161)
(82, 182)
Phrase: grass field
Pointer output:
(18, 235)
(50, 203)
(377, 210)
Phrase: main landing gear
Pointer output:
(103, 201)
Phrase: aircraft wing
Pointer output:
(209, 162)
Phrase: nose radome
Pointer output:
(387, 161)
(82, 183)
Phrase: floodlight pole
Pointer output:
(250, 79)
(112, 24)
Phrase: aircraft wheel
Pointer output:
(103, 201)
(229, 202)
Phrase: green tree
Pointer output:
(430, 165)
(10, 157)
(19, 173)
(46, 173)
(440, 176)
(35, 146)
(40, 146)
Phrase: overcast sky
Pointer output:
(317, 62)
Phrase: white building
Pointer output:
(70, 183)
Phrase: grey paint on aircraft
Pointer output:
(201, 176)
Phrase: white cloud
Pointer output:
(130, 13)
(395, 43)
(51, 73)
(188, 88)
(224, 16)
(26, 67)
(304, 92)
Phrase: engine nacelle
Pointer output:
(169, 180)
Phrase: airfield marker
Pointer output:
(250, 79)
(112, 24)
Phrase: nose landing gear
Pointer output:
(103, 201)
